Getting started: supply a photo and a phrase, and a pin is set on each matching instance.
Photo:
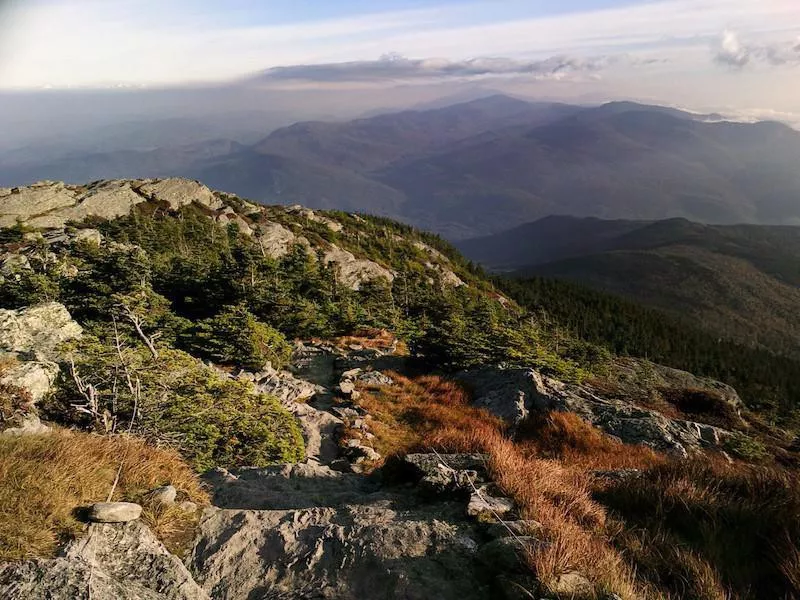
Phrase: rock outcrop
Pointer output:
(51, 205)
(353, 272)
(514, 393)
(29, 341)
(638, 377)
(37, 330)
(309, 532)
(309, 214)
(110, 562)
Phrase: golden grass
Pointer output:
(711, 530)
(574, 442)
(379, 339)
(45, 478)
(702, 529)
(432, 413)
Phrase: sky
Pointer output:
(743, 55)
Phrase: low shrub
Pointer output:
(746, 447)
(236, 337)
(175, 400)
(45, 478)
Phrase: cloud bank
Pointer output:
(396, 67)
(732, 52)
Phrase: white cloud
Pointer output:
(102, 42)
(733, 53)
(395, 67)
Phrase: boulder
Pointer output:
(37, 330)
(347, 387)
(166, 494)
(229, 216)
(188, 506)
(110, 562)
(508, 554)
(309, 214)
(36, 378)
(443, 475)
(639, 377)
(114, 512)
(485, 507)
(88, 235)
(352, 272)
(13, 264)
(359, 451)
(571, 585)
(285, 386)
(276, 240)
(512, 393)
(504, 528)
(178, 192)
(374, 379)
(29, 424)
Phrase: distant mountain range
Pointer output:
(485, 165)
(740, 281)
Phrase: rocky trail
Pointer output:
(313, 531)
(424, 526)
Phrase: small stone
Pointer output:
(114, 512)
(188, 506)
(482, 505)
(89, 235)
(347, 387)
(571, 585)
(351, 373)
(164, 495)
(344, 412)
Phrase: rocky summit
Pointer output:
(206, 398)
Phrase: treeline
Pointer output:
(766, 381)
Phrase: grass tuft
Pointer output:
(46, 478)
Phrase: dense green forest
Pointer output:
(766, 381)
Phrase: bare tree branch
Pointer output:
(137, 324)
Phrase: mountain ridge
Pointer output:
(481, 166)
(740, 281)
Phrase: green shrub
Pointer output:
(235, 336)
(745, 447)
(178, 402)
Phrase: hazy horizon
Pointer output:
(70, 64)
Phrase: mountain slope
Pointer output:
(742, 282)
(639, 164)
(304, 347)
(483, 166)
(366, 145)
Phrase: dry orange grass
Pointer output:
(738, 524)
(380, 339)
(409, 412)
(45, 478)
(432, 413)
(573, 441)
